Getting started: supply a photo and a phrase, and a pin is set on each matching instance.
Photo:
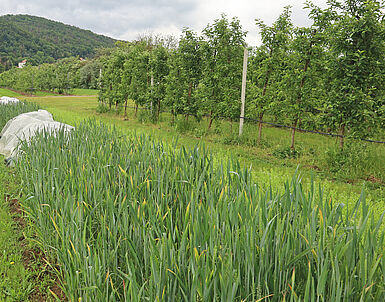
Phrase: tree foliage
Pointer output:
(355, 65)
(328, 76)
(271, 64)
(222, 50)
(185, 75)
(59, 77)
(43, 41)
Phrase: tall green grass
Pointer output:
(132, 219)
(10, 111)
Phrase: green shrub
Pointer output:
(102, 108)
(245, 139)
(199, 131)
(144, 116)
(350, 162)
(287, 152)
(183, 126)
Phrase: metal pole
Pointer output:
(243, 93)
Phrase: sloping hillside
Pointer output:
(41, 40)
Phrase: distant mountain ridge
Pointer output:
(41, 40)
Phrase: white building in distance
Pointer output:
(22, 63)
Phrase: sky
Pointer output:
(127, 19)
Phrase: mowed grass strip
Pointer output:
(14, 282)
(9, 93)
(84, 91)
(24, 270)
(38, 93)
(130, 218)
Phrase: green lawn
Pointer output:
(10, 93)
(75, 91)
(267, 168)
(81, 91)
(44, 93)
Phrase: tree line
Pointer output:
(61, 76)
(40, 40)
(327, 76)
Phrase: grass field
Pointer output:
(180, 223)
(82, 91)
(44, 93)
(75, 91)
(10, 93)
(271, 168)
(266, 167)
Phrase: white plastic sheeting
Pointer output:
(23, 127)
(4, 100)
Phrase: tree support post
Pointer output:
(243, 92)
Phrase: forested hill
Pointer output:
(41, 40)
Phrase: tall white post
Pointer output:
(100, 78)
(243, 93)
(152, 85)
(100, 84)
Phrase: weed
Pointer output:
(144, 116)
(102, 108)
(351, 162)
(287, 152)
(182, 125)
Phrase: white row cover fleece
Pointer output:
(23, 127)
(4, 100)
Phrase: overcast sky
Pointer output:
(126, 19)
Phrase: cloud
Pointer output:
(124, 19)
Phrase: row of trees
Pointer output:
(59, 77)
(328, 76)
(201, 75)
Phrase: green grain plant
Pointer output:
(10, 111)
(128, 218)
